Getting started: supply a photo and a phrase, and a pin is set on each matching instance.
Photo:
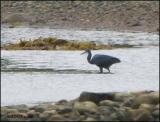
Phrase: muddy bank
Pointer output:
(101, 15)
(116, 106)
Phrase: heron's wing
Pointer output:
(99, 59)
(103, 60)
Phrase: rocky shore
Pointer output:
(100, 15)
(113, 106)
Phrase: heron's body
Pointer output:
(102, 61)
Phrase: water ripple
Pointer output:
(54, 71)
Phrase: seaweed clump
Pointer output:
(52, 43)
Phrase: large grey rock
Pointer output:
(86, 106)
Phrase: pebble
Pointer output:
(64, 110)
(109, 103)
(122, 96)
(90, 119)
(56, 117)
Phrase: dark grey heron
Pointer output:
(102, 61)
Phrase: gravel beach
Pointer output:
(99, 15)
(114, 106)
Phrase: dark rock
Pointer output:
(33, 114)
(105, 110)
(128, 102)
(62, 102)
(64, 110)
(156, 113)
(96, 97)
(136, 24)
(38, 108)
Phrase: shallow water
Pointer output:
(30, 77)
(12, 35)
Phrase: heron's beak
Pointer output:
(83, 53)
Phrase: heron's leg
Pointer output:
(101, 69)
(108, 70)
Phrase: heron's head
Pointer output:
(86, 51)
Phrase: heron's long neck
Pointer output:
(89, 57)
